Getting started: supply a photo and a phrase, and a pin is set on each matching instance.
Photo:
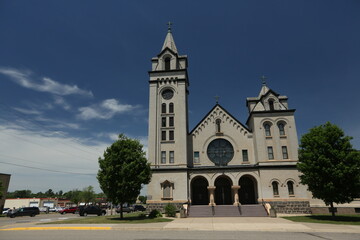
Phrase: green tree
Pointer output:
(329, 165)
(20, 194)
(50, 193)
(88, 195)
(1, 190)
(74, 196)
(142, 199)
(123, 170)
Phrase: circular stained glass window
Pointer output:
(167, 94)
(220, 152)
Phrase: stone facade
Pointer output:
(221, 161)
(291, 207)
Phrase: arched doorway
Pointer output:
(199, 191)
(223, 191)
(247, 191)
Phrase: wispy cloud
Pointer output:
(27, 111)
(45, 84)
(61, 102)
(105, 110)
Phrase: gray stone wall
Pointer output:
(291, 207)
(161, 206)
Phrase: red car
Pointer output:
(69, 210)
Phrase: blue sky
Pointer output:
(73, 74)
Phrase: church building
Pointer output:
(221, 161)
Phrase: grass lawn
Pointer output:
(114, 219)
(338, 219)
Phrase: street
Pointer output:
(4, 221)
(170, 235)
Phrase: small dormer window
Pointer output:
(167, 63)
(271, 105)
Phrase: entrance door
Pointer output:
(247, 190)
(223, 191)
(199, 191)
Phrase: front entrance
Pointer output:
(199, 191)
(223, 191)
(247, 193)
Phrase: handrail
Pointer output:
(264, 204)
(239, 208)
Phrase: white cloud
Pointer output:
(48, 151)
(23, 78)
(105, 110)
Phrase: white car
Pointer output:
(5, 210)
(55, 209)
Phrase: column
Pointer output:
(235, 193)
(211, 190)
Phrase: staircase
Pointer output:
(256, 210)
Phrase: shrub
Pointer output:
(170, 210)
(155, 214)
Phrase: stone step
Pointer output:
(228, 211)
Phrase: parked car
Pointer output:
(86, 210)
(68, 210)
(55, 209)
(126, 209)
(5, 210)
(139, 208)
(25, 211)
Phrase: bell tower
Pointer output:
(168, 107)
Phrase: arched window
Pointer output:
(281, 127)
(290, 185)
(271, 104)
(163, 108)
(171, 108)
(267, 129)
(167, 63)
(218, 127)
(275, 186)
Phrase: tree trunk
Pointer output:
(121, 211)
(332, 209)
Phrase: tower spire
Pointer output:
(169, 40)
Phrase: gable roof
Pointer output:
(218, 105)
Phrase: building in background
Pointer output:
(5, 181)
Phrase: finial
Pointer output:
(217, 99)
(169, 26)
(263, 78)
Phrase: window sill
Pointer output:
(170, 141)
(283, 136)
(268, 137)
(167, 198)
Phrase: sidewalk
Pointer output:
(264, 224)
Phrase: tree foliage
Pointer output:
(123, 170)
(1, 190)
(329, 165)
(88, 195)
(74, 196)
(142, 199)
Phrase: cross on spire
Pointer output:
(217, 99)
(263, 79)
(169, 26)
